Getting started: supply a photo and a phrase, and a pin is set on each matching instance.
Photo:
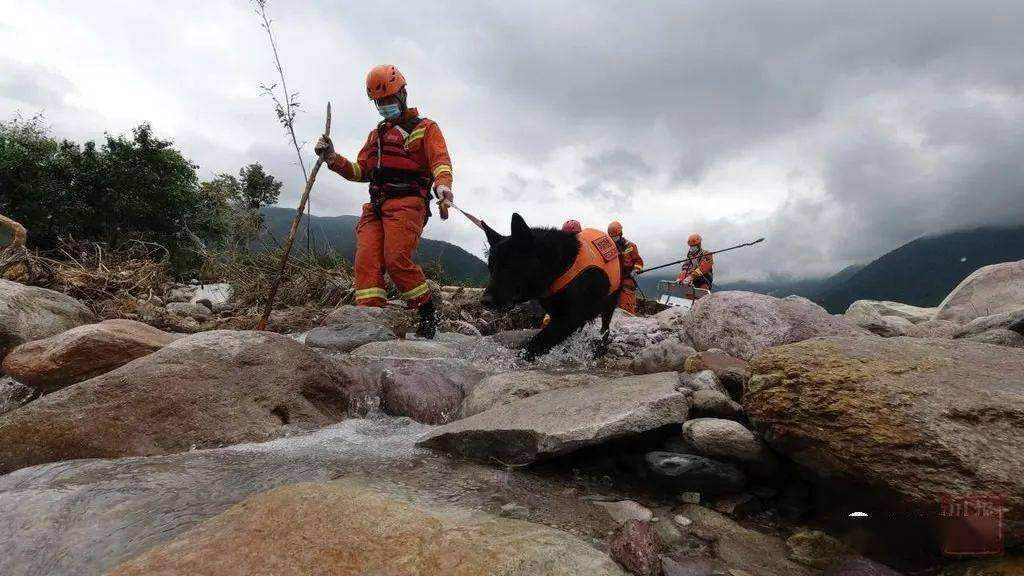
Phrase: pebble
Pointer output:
(682, 521)
(690, 497)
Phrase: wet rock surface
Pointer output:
(349, 528)
(88, 516)
(665, 356)
(345, 338)
(507, 387)
(208, 389)
(561, 421)
(83, 352)
(429, 392)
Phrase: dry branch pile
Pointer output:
(309, 278)
(105, 280)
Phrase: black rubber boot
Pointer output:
(427, 327)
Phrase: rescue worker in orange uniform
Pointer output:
(404, 159)
(698, 269)
(632, 264)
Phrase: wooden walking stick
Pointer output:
(291, 234)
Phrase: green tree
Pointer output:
(127, 188)
(237, 202)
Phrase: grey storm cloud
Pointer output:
(892, 119)
(33, 84)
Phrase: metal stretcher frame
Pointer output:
(667, 288)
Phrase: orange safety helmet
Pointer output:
(572, 226)
(383, 81)
(694, 239)
(615, 228)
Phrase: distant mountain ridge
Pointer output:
(338, 233)
(924, 271)
(921, 272)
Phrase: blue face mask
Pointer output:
(389, 111)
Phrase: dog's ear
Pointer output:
(521, 233)
(492, 236)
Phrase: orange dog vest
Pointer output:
(597, 250)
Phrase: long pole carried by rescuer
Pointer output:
(646, 270)
(291, 233)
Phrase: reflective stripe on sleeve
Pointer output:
(357, 172)
(441, 169)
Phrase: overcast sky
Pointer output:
(838, 130)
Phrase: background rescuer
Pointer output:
(632, 264)
(402, 159)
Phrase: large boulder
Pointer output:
(349, 530)
(427, 391)
(999, 337)
(561, 421)
(345, 338)
(83, 352)
(855, 411)
(744, 323)
(205, 390)
(669, 355)
(993, 289)
(29, 313)
(730, 441)
(867, 317)
(507, 387)
(1013, 321)
(915, 314)
(934, 329)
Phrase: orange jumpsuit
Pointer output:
(402, 160)
(631, 263)
(700, 270)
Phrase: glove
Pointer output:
(444, 199)
(324, 149)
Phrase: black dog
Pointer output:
(525, 264)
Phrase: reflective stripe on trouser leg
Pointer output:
(369, 264)
(403, 223)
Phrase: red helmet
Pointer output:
(694, 239)
(383, 81)
(615, 228)
(572, 226)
